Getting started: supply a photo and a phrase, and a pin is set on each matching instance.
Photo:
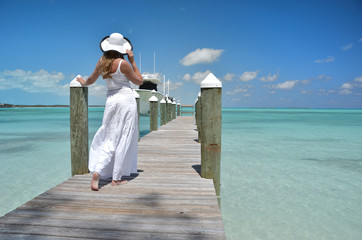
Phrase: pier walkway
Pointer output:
(166, 200)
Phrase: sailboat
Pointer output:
(148, 88)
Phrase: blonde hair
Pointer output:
(106, 63)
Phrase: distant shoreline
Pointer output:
(5, 105)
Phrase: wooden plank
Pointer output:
(167, 199)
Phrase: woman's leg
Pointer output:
(95, 181)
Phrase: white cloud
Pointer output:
(269, 78)
(324, 77)
(321, 76)
(176, 85)
(200, 76)
(288, 85)
(308, 92)
(358, 79)
(97, 90)
(241, 89)
(360, 40)
(34, 82)
(325, 60)
(347, 86)
(325, 92)
(229, 77)
(347, 47)
(43, 81)
(345, 92)
(187, 77)
(205, 55)
(248, 76)
(236, 91)
(306, 81)
(346, 89)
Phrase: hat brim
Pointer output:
(106, 46)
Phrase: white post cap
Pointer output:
(153, 99)
(162, 101)
(169, 100)
(174, 103)
(211, 82)
(199, 95)
(153, 91)
(136, 95)
(75, 83)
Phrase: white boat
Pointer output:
(150, 82)
(145, 95)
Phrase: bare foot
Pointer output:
(95, 181)
(118, 182)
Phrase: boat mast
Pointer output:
(168, 87)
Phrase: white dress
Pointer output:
(114, 148)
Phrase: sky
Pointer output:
(266, 53)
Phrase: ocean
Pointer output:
(291, 173)
(285, 173)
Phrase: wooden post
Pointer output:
(163, 112)
(169, 109)
(178, 108)
(198, 117)
(166, 107)
(153, 113)
(174, 109)
(79, 128)
(211, 129)
(137, 97)
(195, 114)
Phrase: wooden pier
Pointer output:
(166, 200)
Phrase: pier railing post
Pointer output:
(178, 108)
(198, 117)
(163, 112)
(79, 128)
(153, 113)
(173, 109)
(211, 129)
(169, 109)
(137, 97)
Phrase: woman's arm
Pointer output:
(92, 78)
(130, 70)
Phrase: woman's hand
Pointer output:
(81, 80)
(130, 56)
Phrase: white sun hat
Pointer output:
(116, 42)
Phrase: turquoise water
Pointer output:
(285, 173)
(35, 150)
(292, 174)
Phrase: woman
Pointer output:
(114, 148)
